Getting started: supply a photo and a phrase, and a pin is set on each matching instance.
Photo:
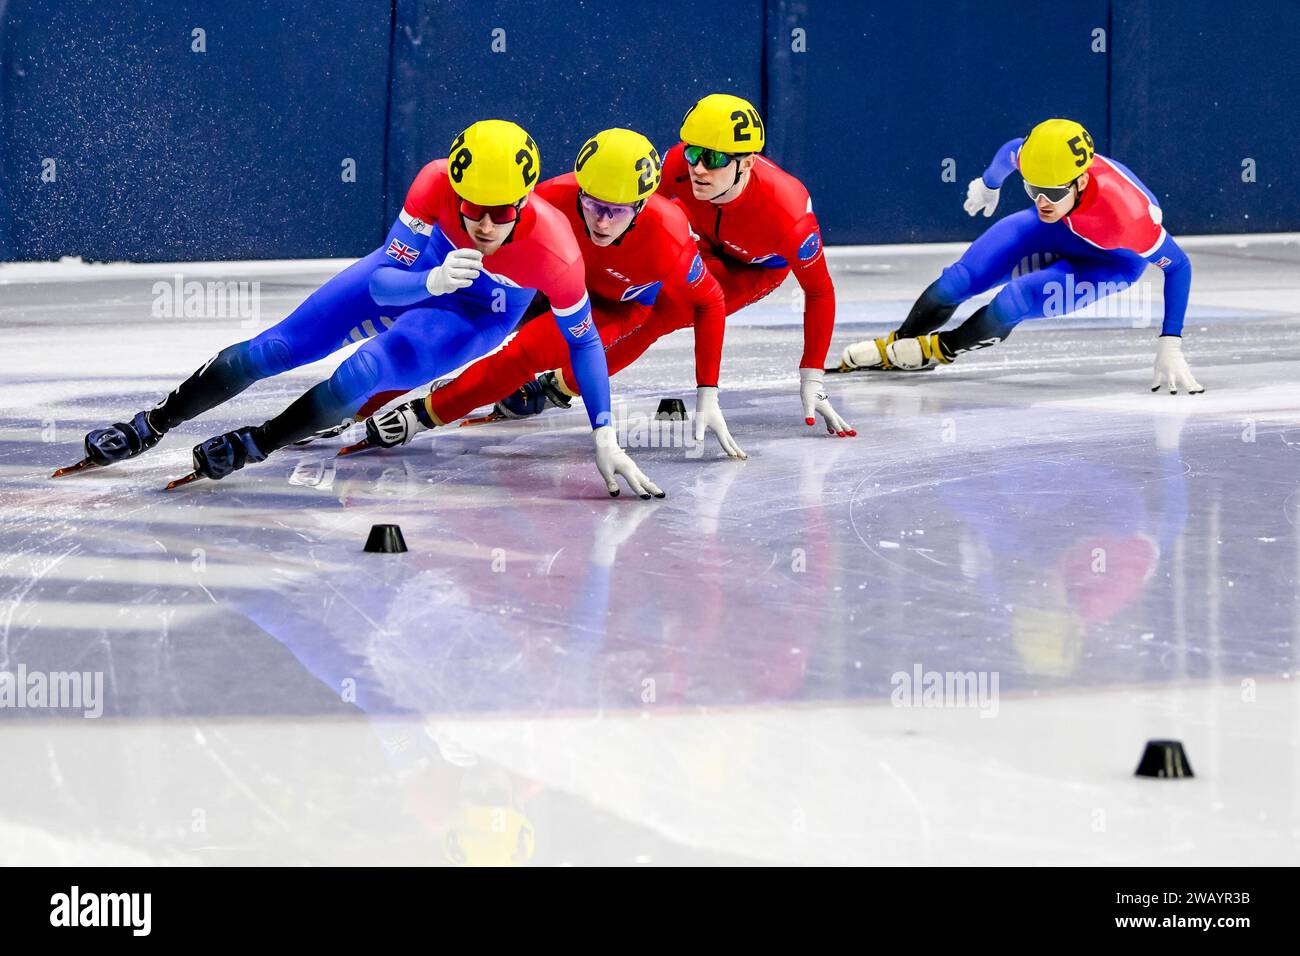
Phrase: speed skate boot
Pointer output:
(398, 425)
(533, 398)
(869, 353)
(225, 454)
(104, 446)
(911, 355)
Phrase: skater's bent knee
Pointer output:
(269, 357)
(1012, 304)
(356, 378)
(953, 285)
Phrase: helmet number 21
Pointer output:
(524, 158)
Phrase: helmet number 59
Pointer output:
(1079, 149)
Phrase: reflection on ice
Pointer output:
(550, 676)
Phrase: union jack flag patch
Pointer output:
(403, 253)
(582, 328)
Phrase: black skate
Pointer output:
(105, 446)
(532, 398)
(221, 456)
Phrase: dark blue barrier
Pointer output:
(561, 71)
(1204, 108)
(882, 96)
(157, 151)
(119, 141)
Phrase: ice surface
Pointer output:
(710, 678)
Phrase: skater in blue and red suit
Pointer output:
(638, 247)
(1094, 228)
(457, 270)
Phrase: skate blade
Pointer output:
(483, 420)
(362, 445)
(876, 368)
(183, 481)
(82, 465)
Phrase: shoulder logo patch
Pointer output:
(696, 271)
(809, 248)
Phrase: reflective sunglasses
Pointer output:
(1052, 194)
(713, 158)
(499, 214)
(615, 212)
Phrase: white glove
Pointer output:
(812, 393)
(459, 269)
(612, 460)
(980, 197)
(1171, 368)
(397, 426)
(709, 415)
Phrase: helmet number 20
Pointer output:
(588, 151)
(646, 168)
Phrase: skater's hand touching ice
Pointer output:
(979, 198)
(812, 392)
(1171, 368)
(709, 415)
(613, 461)
(458, 270)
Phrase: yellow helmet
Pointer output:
(481, 835)
(1049, 641)
(493, 163)
(617, 166)
(1056, 153)
(726, 123)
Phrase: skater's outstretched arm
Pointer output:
(1171, 369)
(982, 193)
(707, 306)
(567, 291)
(1178, 283)
(803, 250)
(1003, 163)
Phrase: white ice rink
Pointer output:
(552, 675)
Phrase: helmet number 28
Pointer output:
(460, 161)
